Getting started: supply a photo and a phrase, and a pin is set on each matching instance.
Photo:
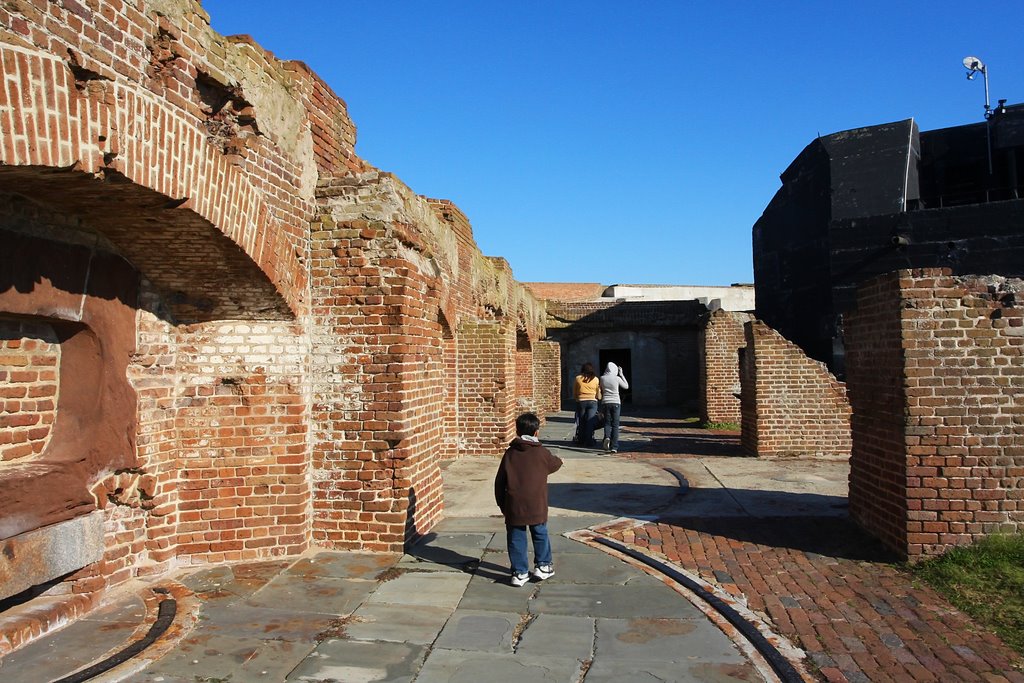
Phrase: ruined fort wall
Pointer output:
(294, 358)
(947, 441)
(791, 406)
(721, 338)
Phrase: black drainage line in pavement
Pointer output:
(780, 665)
(164, 618)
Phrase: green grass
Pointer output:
(985, 580)
(724, 426)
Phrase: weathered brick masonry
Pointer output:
(223, 335)
(721, 338)
(790, 404)
(936, 381)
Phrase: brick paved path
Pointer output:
(827, 587)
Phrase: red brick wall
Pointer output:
(935, 379)
(296, 371)
(487, 406)
(450, 429)
(791, 405)
(378, 387)
(29, 360)
(524, 376)
(566, 291)
(874, 375)
(720, 341)
(242, 431)
(547, 376)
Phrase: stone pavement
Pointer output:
(770, 538)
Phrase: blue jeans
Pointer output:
(612, 411)
(586, 412)
(516, 537)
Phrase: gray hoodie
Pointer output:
(611, 381)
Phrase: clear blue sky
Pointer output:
(619, 142)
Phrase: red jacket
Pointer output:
(521, 485)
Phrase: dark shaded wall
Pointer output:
(660, 337)
(868, 201)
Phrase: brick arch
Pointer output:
(181, 204)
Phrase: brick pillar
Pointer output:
(524, 375)
(547, 376)
(791, 405)
(720, 341)
(451, 430)
(378, 389)
(935, 376)
(487, 386)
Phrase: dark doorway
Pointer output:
(620, 357)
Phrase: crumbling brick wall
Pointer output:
(547, 361)
(936, 384)
(721, 338)
(524, 374)
(791, 406)
(294, 366)
(487, 406)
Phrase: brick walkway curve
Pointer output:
(822, 583)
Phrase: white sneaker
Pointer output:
(606, 443)
(520, 579)
(544, 571)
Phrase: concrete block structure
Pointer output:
(223, 335)
(652, 331)
(872, 200)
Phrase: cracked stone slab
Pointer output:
(558, 636)
(80, 643)
(455, 666)
(597, 567)
(440, 589)
(261, 623)
(232, 582)
(671, 672)
(397, 623)
(612, 601)
(663, 640)
(453, 551)
(496, 594)
(314, 595)
(219, 657)
(343, 565)
(349, 661)
(479, 631)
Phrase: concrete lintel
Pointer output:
(41, 555)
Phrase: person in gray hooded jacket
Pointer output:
(611, 381)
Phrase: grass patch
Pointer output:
(723, 426)
(985, 580)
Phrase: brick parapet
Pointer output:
(566, 291)
(952, 345)
(791, 406)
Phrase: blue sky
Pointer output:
(635, 142)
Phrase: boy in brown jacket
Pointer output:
(521, 491)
